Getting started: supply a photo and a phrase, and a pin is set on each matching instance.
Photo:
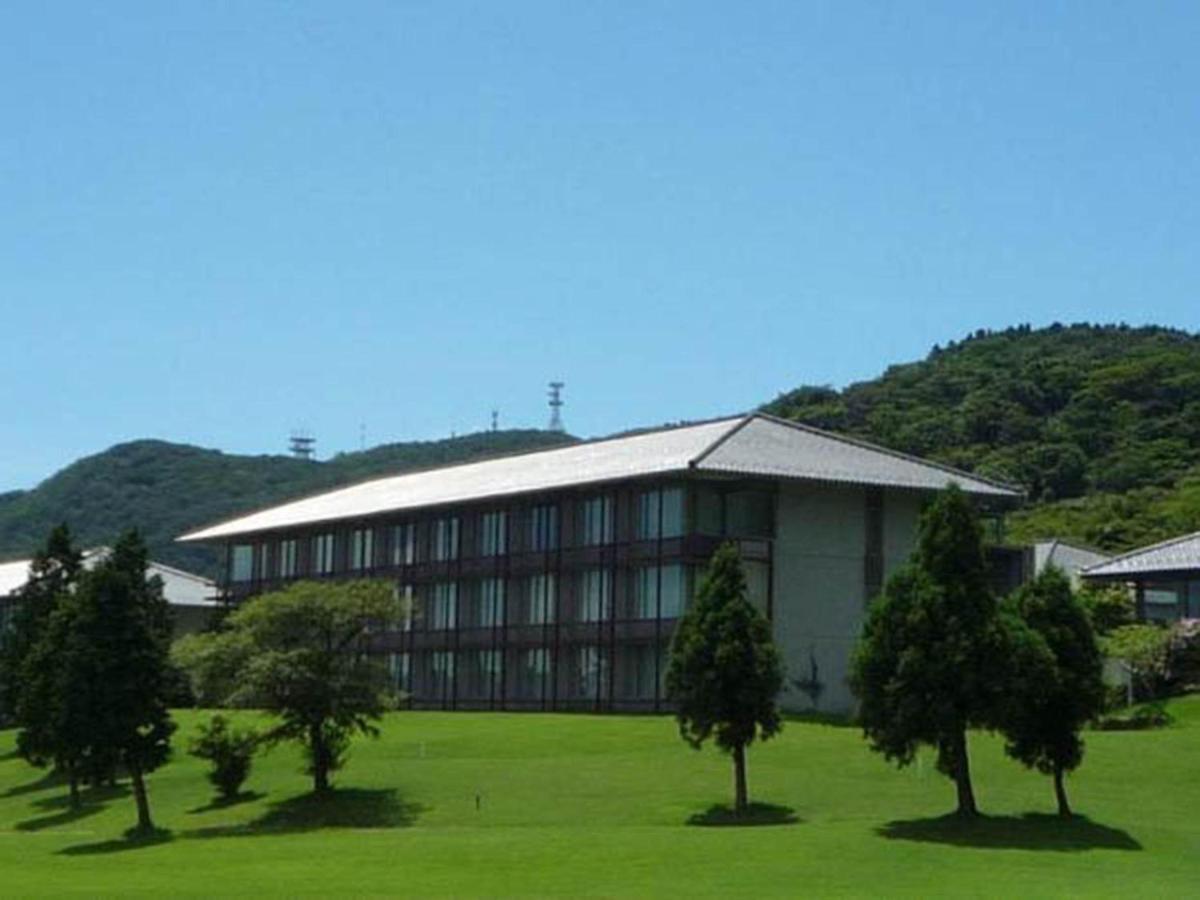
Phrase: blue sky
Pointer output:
(221, 221)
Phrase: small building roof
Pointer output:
(179, 587)
(755, 445)
(1177, 556)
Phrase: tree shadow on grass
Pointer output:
(1033, 831)
(133, 840)
(756, 814)
(227, 802)
(94, 800)
(9, 756)
(348, 808)
(45, 782)
(352, 808)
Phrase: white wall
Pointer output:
(819, 590)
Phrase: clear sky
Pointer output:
(223, 220)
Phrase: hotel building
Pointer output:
(553, 580)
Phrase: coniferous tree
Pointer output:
(925, 667)
(119, 648)
(725, 671)
(1045, 706)
(52, 576)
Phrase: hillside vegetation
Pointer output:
(1101, 424)
(166, 489)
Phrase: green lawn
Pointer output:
(579, 805)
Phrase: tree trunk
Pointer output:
(320, 759)
(740, 799)
(144, 824)
(73, 786)
(962, 777)
(1060, 793)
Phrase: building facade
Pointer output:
(554, 580)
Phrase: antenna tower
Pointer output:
(302, 445)
(556, 405)
(495, 420)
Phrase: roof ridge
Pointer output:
(699, 458)
(879, 448)
(1149, 548)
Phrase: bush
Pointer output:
(1109, 607)
(1144, 649)
(1183, 655)
(229, 752)
(1149, 715)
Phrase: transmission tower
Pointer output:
(302, 445)
(556, 404)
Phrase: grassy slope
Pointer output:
(597, 806)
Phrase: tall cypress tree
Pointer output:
(52, 575)
(1045, 706)
(925, 669)
(120, 624)
(725, 671)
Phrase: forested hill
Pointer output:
(1101, 424)
(166, 489)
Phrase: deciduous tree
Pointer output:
(301, 653)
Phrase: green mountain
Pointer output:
(166, 489)
(1100, 423)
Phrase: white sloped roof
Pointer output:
(1176, 555)
(746, 445)
(12, 576)
(180, 588)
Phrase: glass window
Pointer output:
(407, 597)
(400, 665)
(404, 544)
(542, 599)
(494, 540)
(650, 583)
(491, 602)
(708, 510)
(591, 668)
(533, 670)
(287, 558)
(362, 549)
(322, 554)
(748, 514)
(443, 607)
(445, 539)
(672, 512)
(595, 595)
(543, 528)
(241, 566)
(672, 591)
(659, 514)
(597, 521)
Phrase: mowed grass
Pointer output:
(499, 804)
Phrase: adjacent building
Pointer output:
(553, 580)
(1165, 578)
(192, 598)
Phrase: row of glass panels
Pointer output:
(633, 672)
(659, 514)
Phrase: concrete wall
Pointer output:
(819, 584)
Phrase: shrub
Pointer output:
(228, 751)
(1108, 607)
(1183, 655)
(1143, 648)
